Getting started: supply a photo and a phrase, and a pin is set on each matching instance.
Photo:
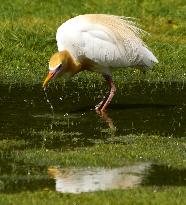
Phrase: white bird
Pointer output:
(101, 43)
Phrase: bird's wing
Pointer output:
(107, 40)
(93, 41)
(101, 46)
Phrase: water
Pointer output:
(16, 178)
(61, 118)
(26, 114)
(48, 101)
(78, 180)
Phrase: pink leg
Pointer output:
(106, 101)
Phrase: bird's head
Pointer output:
(57, 67)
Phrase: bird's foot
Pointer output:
(99, 106)
(99, 110)
(104, 115)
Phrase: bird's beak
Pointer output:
(48, 78)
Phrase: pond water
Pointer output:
(150, 109)
(136, 109)
(95, 179)
(15, 177)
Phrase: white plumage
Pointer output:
(110, 41)
(99, 42)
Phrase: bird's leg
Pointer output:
(106, 101)
(111, 94)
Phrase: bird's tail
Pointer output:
(148, 57)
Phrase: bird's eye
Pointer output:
(59, 67)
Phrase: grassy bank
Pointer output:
(123, 150)
(28, 35)
(144, 196)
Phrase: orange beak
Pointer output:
(48, 78)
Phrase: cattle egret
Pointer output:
(101, 43)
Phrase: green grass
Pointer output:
(138, 196)
(27, 41)
(28, 35)
(132, 148)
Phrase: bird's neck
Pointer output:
(72, 65)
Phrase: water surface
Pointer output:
(78, 180)
(140, 108)
(136, 109)
(16, 177)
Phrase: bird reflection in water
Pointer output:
(77, 180)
